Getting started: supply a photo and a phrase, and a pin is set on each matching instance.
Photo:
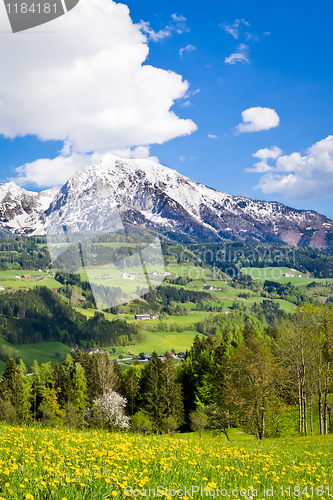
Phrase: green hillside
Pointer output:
(43, 352)
(162, 342)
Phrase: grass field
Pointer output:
(161, 342)
(9, 282)
(111, 276)
(42, 352)
(274, 274)
(67, 465)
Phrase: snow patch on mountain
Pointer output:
(115, 191)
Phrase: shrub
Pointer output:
(141, 423)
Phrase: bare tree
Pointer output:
(106, 373)
(253, 391)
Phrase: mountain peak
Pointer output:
(143, 192)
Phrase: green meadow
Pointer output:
(43, 352)
(162, 342)
(64, 464)
(9, 282)
(274, 274)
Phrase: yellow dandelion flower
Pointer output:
(29, 496)
(114, 493)
(107, 480)
(7, 485)
(212, 485)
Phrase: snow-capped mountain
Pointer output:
(142, 192)
(20, 210)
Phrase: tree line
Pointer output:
(24, 253)
(228, 256)
(42, 315)
(266, 382)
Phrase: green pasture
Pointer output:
(88, 313)
(162, 342)
(274, 274)
(9, 282)
(286, 306)
(43, 352)
(269, 273)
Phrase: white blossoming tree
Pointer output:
(109, 410)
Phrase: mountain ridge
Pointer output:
(116, 191)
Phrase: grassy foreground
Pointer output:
(68, 465)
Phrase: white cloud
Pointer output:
(177, 25)
(86, 83)
(233, 29)
(182, 158)
(188, 48)
(300, 178)
(155, 35)
(186, 104)
(251, 36)
(239, 56)
(257, 119)
(212, 136)
(267, 33)
(47, 172)
(177, 18)
(264, 155)
(273, 152)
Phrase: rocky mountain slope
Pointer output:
(141, 192)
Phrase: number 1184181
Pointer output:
(37, 8)
(307, 491)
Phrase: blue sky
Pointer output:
(282, 64)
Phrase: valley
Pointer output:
(200, 294)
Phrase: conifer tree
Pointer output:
(131, 387)
(88, 363)
(42, 378)
(174, 396)
(161, 394)
(12, 390)
(154, 392)
(66, 393)
(80, 388)
(202, 373)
